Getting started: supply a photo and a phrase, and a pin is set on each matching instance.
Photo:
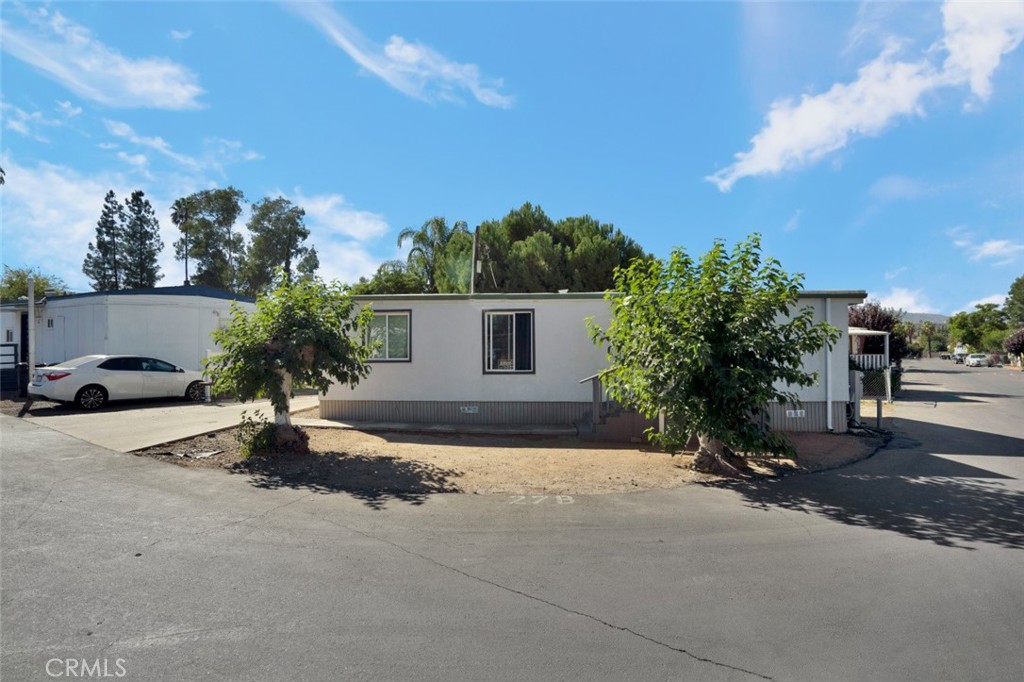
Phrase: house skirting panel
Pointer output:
(814, 418)
(455, 412)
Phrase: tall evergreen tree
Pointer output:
(1014, 305)
(207, 240)
(278, 241)
(141, 244)
(102, 262)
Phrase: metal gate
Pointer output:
(8, 366)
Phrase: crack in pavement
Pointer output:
(565, 609)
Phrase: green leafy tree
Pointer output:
(454, 268)
(278, 237)
(593, 250)
(706, 342)
(205, 220)
(992, 340)
(141, 244)
(14, 284)
(1014, 305)
(428, 246)
(526, 252)
(102, 263)
(1014, 345)
(392, 277)
(872, 315)
(978, 327)
(305, 332)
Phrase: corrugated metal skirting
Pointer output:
(814, 419)
(452, 412)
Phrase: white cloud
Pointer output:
(1003, 250)
(793, 223)
(998, 251)
(978, 34)
(895, 187)
(329, 216)
(907, 300)
(69, 54)
(412, 68)
(344, 261)
(68, 109)
(893, 274)
(886, 89)
(125, 131)
(26, 123)
(997, 299)
(50, 214)
(180, 35)
(137, 160)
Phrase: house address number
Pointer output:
(538, 499)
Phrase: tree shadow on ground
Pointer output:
(907, 490)
(925, 396)
(375, 480)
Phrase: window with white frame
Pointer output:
(389, 335)
(508, 341)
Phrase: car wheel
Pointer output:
(91, 397)
(195, 392)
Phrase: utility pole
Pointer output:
(31, 326)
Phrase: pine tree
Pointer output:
(102, 262)
(278, 241)
(141, 244)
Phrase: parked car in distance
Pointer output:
(958, 358)
(92, 380)
(978, 360)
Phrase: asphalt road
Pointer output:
(907, 566)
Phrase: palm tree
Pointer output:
(928, 331)
(428, 245)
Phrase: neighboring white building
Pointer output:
(520, 359)
(169, 323)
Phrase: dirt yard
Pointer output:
(418, 464)
(412, 465)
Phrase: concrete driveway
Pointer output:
(127, 427)
(907, 566)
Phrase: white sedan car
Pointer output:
(92, 380)
(978, 360)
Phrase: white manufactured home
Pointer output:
(170, 323)
(528, 359)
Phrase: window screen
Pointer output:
(508, 341)
(389, 334)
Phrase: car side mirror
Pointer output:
(180, 370)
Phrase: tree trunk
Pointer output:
(714, 457)
(284, 417)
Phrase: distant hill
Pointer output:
(918, 318)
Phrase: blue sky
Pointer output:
(875, 146)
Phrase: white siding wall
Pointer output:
(447, 353)
(839, 380)
(10, 320)
(172, 328)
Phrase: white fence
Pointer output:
(869, 361)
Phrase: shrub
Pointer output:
(255, 435)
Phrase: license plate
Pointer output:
(38, 378)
